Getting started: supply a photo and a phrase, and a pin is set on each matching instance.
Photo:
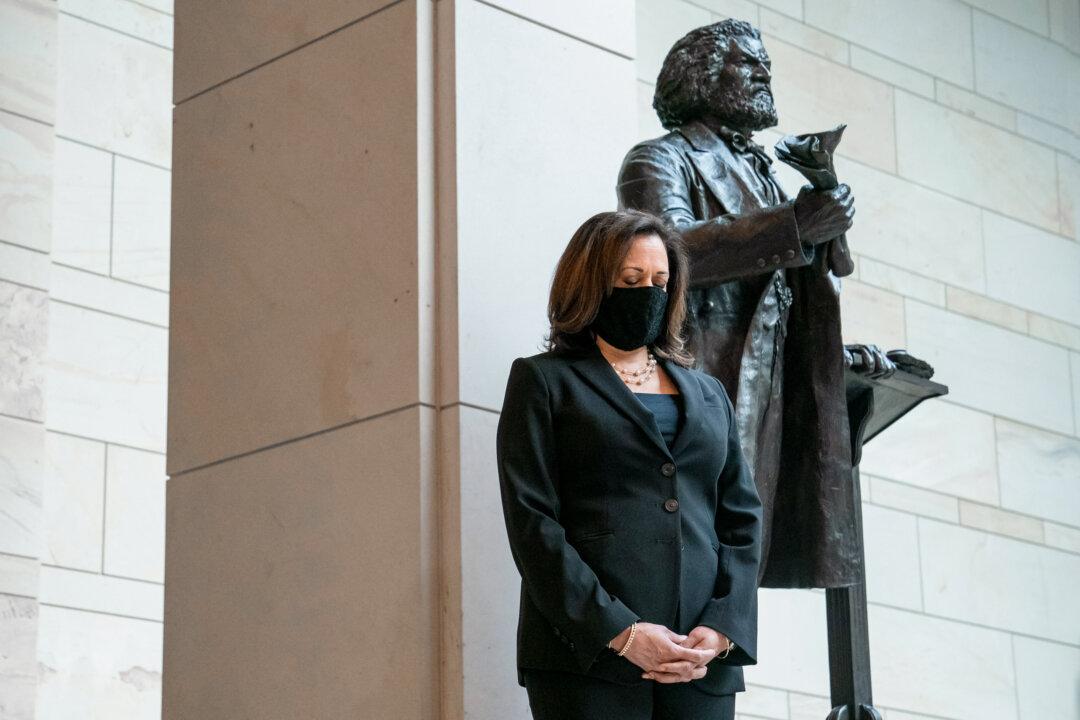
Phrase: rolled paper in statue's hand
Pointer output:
(812, 155)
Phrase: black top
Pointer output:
(667, 410)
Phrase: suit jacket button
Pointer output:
(790, 254)
(761, 262)
(671, 504)
(668, 469)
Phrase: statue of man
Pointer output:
(762, 319)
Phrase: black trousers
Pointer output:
(557, 695)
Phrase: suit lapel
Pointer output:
(693, 402)
(714, 162)
(597, 371)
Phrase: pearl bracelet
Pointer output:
(633, 631)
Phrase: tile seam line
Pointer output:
(28, 118)
(299, 438)
(153, 9)
(99, 612)
(556, 30)
(103, 276)
(118, 31)
(107, 575)
(274, 59)
(99, 148)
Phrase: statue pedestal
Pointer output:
(873, 405)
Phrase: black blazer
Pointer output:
(608, 526)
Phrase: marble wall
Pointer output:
(85, 155)
(322, 434)
(962, 150)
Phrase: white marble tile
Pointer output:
(24, 331)
(141, 205)
(791, 8)
(808, 707)
(1048, 133)
(660, 23)
(892, 72)
(1032, 15)
(106, 377)
(1074, 364)
(82, 206)
(898, 280)
(24, 266)
(911, 499)
(487, 571)
(815, 94)
(1065, 23)
(792, 643)
(892, 557)
(19, 575)
(1003, 522)
(28, 57)
(1046, 674)
(804, 36)
(118, 297)
(1040, 471)
(938, 446)
(1069, 192)
(648, 124)
(114, 92)
(131, 18)
(763, 702)
(135, 514)
(73, 503)
(1044, 84)
(22, 448)
(992, 369)
(738, 9)
(101, 593)
(533, 146)
(974, 105)
(90, 660)
(943, 47)
(942, 668)
(914, 228)
(981, 307)
(1062, 537)
(607, 23)
(1031, 268)
(871, 315)
(1017, 179)
(1053, 330)
(26, 150)
(999, 582)
(18, 662)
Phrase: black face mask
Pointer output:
(631, 317)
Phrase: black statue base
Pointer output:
(873, 405)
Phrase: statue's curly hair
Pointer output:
(691, 67)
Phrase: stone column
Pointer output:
(369, 199)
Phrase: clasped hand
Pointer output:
(668, 657)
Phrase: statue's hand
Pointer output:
(823, 214)
(871, 362)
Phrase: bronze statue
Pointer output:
(764, 316)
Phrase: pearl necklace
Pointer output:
(639, 376)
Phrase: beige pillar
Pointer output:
(369, 199)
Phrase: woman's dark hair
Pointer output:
(587, 272)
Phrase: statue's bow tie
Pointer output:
(744, 144)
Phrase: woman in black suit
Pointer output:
(632, 516)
